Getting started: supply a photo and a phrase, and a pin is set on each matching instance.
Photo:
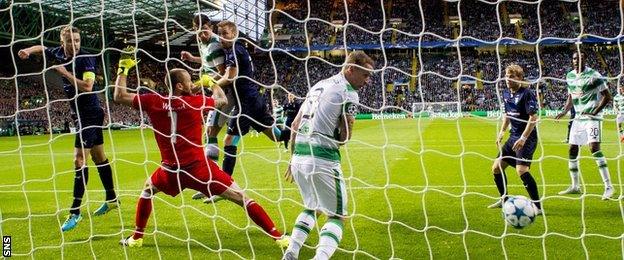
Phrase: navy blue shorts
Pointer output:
(521, 157)
(257, 117)
(89, 131)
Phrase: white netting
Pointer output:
(416, 187)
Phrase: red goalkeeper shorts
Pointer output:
(205, 178)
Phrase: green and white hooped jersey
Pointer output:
(211, 55)
(325, 103)
(585, 89)
(618, 103)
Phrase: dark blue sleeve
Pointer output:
(88, 64)
(50, 53)
(230, 60)
(530, 102)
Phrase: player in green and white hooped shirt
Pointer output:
(324, 122)
(618, 105)
(588, 93)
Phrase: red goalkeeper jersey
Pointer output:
(177, 123)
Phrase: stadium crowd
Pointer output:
(472, 77)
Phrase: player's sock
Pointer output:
(277, 133)
(143, 212)
(305, 222)
(501, 184)
(229, 159)
(80, 182)
(286, 135)
(573, 165)
(106, 176)
(531, 186)
(260, 217)
(330, 236)
(212, 149)
(602, 168)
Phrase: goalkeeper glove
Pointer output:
(126, 61)
(206, 81)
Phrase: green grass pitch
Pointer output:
(417, 188)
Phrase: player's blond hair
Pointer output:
(228, 24)
(359, 58)
(68, 29)
(516, 70)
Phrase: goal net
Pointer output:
(416, 188)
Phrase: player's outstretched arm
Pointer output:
(26, 52)
(228, 76)
(187, 56)
(121, 95)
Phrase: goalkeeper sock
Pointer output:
(229, 159)
(501, 184)
(602, 168)
(80, 182)
(531, 186)
(106, 176)
(212, 149)
(143, 212)
(260, 217)
(573, 165)
(305, 222)
(330, 237)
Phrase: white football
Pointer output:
(519, 211)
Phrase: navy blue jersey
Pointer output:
(88, 105)
(518, 107)
(246, 90)
(291, 109)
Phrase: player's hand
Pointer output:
(185, 55)
(518, 145)
(126, 61)
(288, 175)
(499, 139)
(23, 54)
(621, 138)
(560, 115)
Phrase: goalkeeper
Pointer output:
(176, 120)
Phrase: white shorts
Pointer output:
(585, 132)
(321, 184)
(220, 118)
(619, 118)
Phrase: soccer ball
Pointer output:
(519, 211)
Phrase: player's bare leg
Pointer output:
(106, 176)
